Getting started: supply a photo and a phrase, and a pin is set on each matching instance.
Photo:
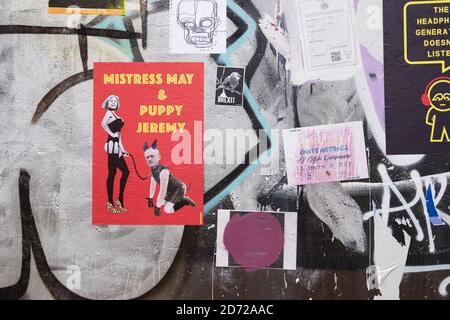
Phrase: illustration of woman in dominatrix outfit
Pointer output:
(113, 124)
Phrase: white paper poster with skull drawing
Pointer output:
(198, 26)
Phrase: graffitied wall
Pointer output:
(356, 240)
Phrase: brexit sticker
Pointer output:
(230, 86)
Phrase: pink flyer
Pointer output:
(326, 153)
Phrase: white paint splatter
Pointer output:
(443, 287)
(335, 282)
(390, 259)
(276, 35)
(339, 212)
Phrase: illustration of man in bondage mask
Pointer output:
(172, 192)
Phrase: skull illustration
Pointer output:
(199, 20)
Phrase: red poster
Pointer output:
(147, 166)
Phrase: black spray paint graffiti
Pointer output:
(251, 68)
(31, 241)
(30, 236)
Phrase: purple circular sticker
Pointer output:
(254, 240)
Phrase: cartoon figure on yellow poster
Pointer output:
(437, 97)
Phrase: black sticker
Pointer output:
(230, 86)
(417, 76)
